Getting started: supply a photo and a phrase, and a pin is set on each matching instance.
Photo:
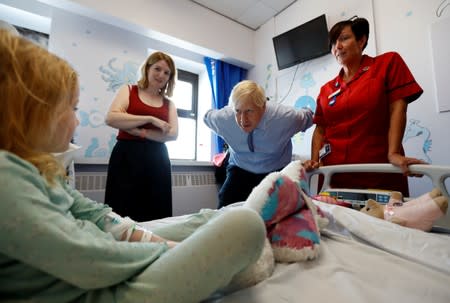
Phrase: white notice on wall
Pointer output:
(440, 45)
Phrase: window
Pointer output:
(185, 97)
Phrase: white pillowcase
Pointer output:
(67, 157)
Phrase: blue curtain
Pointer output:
(223, 77)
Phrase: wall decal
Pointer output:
(116, 77)
(423, 136)
(441, 8)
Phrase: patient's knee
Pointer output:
(246, 225)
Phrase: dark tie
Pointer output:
(250, 142)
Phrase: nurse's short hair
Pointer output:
(359, 27)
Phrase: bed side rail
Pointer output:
(436, 173)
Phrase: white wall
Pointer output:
(178, 22)
(402, 26)
(105, 63)
(88, 46)
(405, 28)
(299, 85)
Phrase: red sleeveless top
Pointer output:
(137, 107)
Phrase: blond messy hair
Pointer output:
(248, 89)
(35, 86)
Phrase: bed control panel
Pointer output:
(358, 197)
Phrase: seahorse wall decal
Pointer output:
(442, 7)
(414, 129)
(116, 77)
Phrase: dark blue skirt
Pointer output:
(139, 181)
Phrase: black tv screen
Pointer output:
(302, 43)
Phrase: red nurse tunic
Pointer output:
(355, 116)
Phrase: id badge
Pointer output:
(324, 151)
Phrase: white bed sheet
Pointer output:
(362, 259)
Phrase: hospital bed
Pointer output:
(362, 259)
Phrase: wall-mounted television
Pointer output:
(302, 43)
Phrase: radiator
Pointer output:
(92, 185)
(191, 191)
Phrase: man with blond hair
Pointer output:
(258, 134)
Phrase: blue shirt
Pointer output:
(271, 138)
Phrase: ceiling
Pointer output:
(250, 13)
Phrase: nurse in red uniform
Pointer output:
(361, 114)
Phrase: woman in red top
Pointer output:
(139, 172)
(361, 113)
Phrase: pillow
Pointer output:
(67, 157)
